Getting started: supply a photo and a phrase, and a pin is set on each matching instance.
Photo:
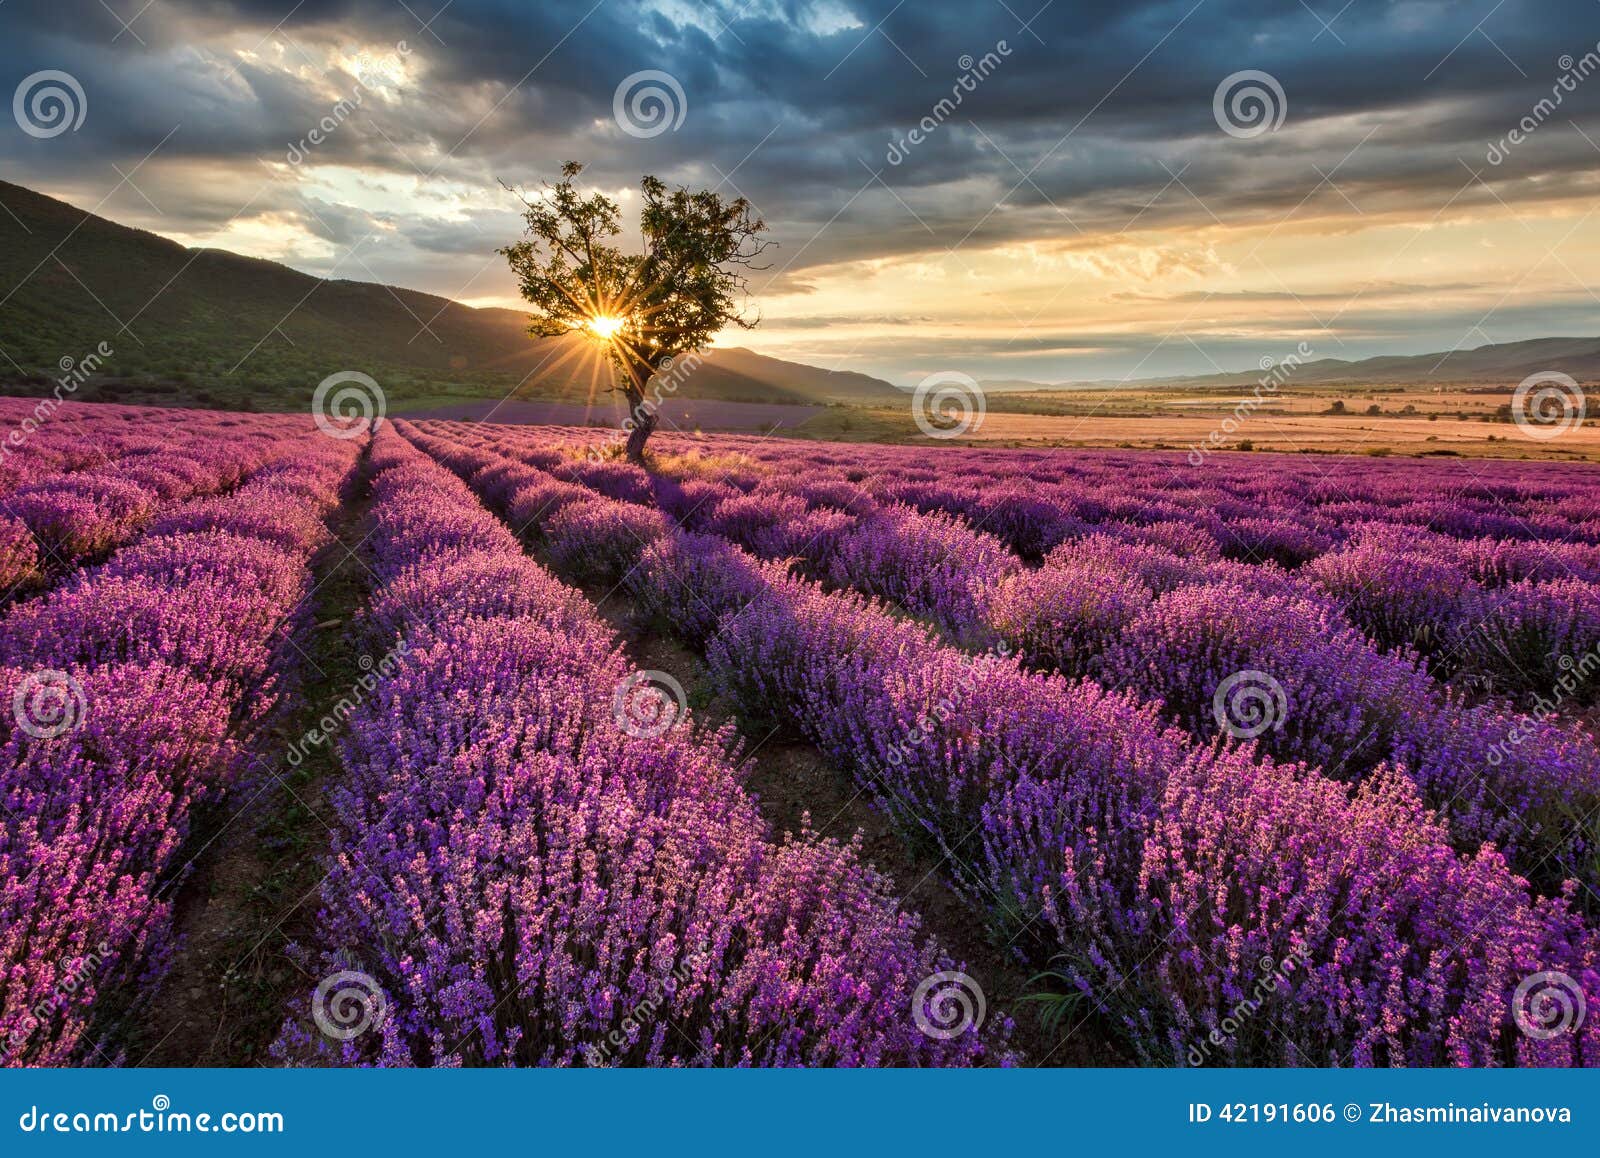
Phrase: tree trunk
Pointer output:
(644, 425)
(641, 413)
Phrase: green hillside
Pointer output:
(208, 326)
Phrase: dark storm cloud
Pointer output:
(1095, 118)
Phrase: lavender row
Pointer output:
(1237, 652)
(135, 691)
(1228, 648)
(1249, 505)
(107, 479)
(1268, 507)
(75, 442)
(38, 439)
(1234, 651)
(1516, 615)
(1492, 586)
(1169, 883)
(534, 865)
(76, 436)
(1525, 530)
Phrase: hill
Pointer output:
(217, 326)
(1503, 363)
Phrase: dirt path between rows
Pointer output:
(249, 888)
(791, 779)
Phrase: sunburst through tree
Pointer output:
(646, 308)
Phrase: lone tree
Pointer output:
(645, 308)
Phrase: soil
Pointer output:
(791, 781)
(248, 891)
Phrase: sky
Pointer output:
(1012, 189)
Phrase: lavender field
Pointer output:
(445, 744)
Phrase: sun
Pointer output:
(605, 328)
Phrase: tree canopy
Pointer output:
(688, 282)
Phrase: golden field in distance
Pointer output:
(1465, 421)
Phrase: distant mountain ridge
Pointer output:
(212, 317)
(1502, 362)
